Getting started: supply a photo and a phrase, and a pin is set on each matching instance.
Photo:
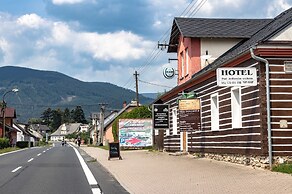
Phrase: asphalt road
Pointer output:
(54, 170)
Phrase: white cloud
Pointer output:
(277, 6)
(61, 2)
(31, 20)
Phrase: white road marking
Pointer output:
(90, 178)
(39, 154)
(30, 160)
(16, 169)
(44, 151)
(96, 191)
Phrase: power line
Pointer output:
(155, 84)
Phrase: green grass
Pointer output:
(5, 150)
(284, 168)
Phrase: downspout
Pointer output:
(268, 103)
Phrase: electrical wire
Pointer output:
(154, 84)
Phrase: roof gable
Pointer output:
(214, 28)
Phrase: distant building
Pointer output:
(65, 129)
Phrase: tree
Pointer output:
(56, 119)
(66, 116)
(77, 115)
(47, 117)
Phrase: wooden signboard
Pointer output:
(114, 151)
(189, 115)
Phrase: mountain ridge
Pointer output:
(40, 89)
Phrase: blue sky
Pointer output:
(107, 40)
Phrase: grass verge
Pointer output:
(5, 150)
(284, 168)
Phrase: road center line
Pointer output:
(30, 160)
(39, 154)
(44, 151)
(16, 169)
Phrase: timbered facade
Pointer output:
(234, 120)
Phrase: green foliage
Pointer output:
(85, 136)
(10, 149)
(72, 136)
(35, 121)
(285, 168)
(4, 143)
(137, 113)
(54, 118)
(77, 115)
(66, 116)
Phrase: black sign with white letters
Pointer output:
(160, 114)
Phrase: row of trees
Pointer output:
(54, 118)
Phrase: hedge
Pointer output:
(4, 143)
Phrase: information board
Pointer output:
(160, 114)
(189, 115)
(114, 151)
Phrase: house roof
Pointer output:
(111, 119)
(70, 128)
(276, 25)
(9, 113)
(213, 28)
(38, 127)
(271, 29)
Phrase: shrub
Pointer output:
(22, 144)
(4, 143)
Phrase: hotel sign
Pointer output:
(234, 76)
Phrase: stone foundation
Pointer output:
(254, 161)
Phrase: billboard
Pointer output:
(160, 114)
(135, 132)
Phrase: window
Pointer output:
(187, 61)
(182, 64)
(174, 121)
(214, 112)
(236, 107)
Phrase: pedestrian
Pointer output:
(79, 141)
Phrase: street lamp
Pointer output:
(4, 107)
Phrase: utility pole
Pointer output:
(137, 93)
(101, 123)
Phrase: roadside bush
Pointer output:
(22, 144)
(4, 143)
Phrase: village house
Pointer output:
(65, 129)
(10, 132)
(242, 124)
(108, 123)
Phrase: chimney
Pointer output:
(124, 104)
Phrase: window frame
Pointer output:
(214, 110)
(236, 107)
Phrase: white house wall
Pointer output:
(216, 47)
(285, 35)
